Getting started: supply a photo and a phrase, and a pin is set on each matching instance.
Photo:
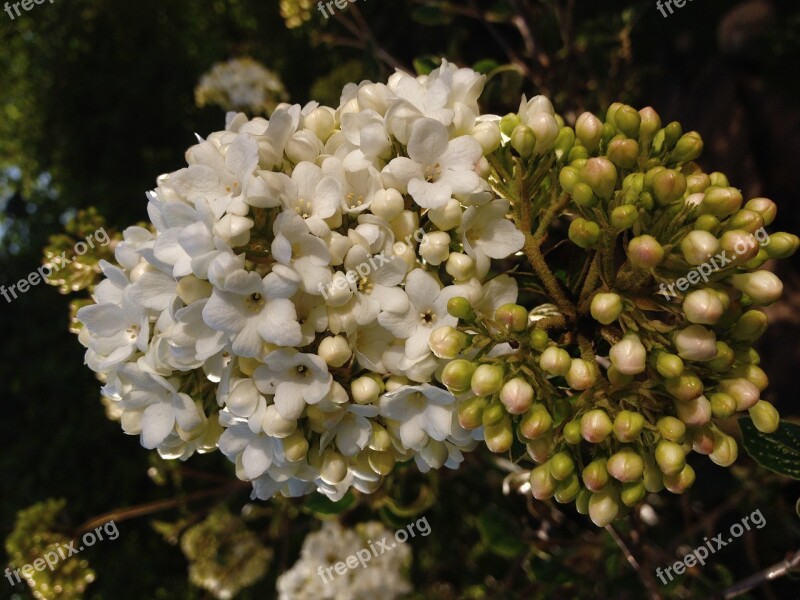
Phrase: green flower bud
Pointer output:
(653, 478)
(589, 130)
(670, 457)
(685, 387)
(448, 342)
(688, 148)
(628, 355)
(543, 484)
(623, 217)
(381, 462)
(582, 501)
(539, 339)
(572, 432)
(719, 179)
(601, 175)
(723, 359)
(753, 374)
(708, 223)
(470, 412)
(697, 182)
(379, 440)
(539, 449)
(523, 140)
(722, 405)
(671, 429)
(726, 451)
(668, 365)
(668, 186)
(765, 416)
(628, 426)
(628, 120)
(500, 436)
(739, 245)
(606, 307)
(536, 422)
(697, 245)
(632, 493)
(782, 245)
(748, 356)
(569, 177)
(695, 412)
(595, 475)
(509, 123)
(564, 142)
(457, 375)
(561, 465)
(746, 220)
(645, 252)
(721, 201)
(567, 490)
(765, 207)
(295, 446)
(583, 195)
(680, 482)
(517, 396)
(494, 413)
(745, 393)
(334, 467)
(584, 233)
(460, 308)
(513, 316)
(623, 152)
(555, 360)
(577, 153)
(762, 287)
(618, 379)
(695, 342)
(750, 326)
(650, 124)
(487, 380)
(625, 465)
(672, 133)
(595, 426)
(604, 506)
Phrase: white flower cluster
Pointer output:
(384, 577)
(240, 84)
(214, 331)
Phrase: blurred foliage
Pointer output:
(96, 100)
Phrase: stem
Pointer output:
(590, 284)
(646, 577)
(777, 570)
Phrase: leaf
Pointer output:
(500, 533)
(423, 65)
(779, 451)
(321, 506)
(485, 66)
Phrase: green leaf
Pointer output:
(321, 506)
(423, 65)
(485, 66)
(779, 451)
(500, 532)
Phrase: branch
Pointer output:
(774, 572)
(647, 578)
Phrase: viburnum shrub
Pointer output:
(329, 292)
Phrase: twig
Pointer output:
(774, 572)
(646, 577)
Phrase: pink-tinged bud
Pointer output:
(668, 365)
(721, 201)
(595, 426)
(561, 465)
(695, 412)
(745, 393)
(686, 387)
(782, 245)
(632, 493)
(688, 148)
(543, 484)
(555, 360)
(583, 233)
(765, 207)
(536, 422)
(668, 186)
(589, 130)
(725, 451)
(539, 449)
(722, 405)
(628, 426)
(750, 326)
(457, 375)
(581, 375)
(447, 342)
(680, 482)
(604, 506)
(499, 437)
(567, 490)
(628, 355)
(572, 433)
(595, 474)
(670, 457)
(470, 412)
(645, 252)
(703, 307)
(765, 417)
(600, 174)
(702, 440)
(671, 429)
(513, 316)
(762, 287)
(739, 245)
(695, 342)
(606, 307)
(623, 152)
(625, 465)
(697, 245)
(517, 396)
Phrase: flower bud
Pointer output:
(745, 393)
(460, 267)
(321, 122)
(632, 493)
(447, 217)
(457, 375)
(460, 308)
(555, 360)
(645, 252)
(191, 289)
(581, 375)
(688, 148)
(653, 479)
(750, 326)
(606, 307)
(722, 405)
(567, 490)
(623, 217)
(583, 233)
(545, 131)
(697, 245)
(670, 457)
(625, 465)
(618, 379)
(539, 339)
(668, 365)
(381, 463)
(595, 475)
(583, 195)
(435, 248)
(740, 245)
(539, 449)
(725, 450)
(494, 413)
(513, 316)
(595, 426)
(695, 412)
(523, 140)
(697, 182)
(447, 342)
(628, 426)
(516, 395)
(334, 467)
(572, 433)
(543, 484)
(762, 287)
(604, 506)
(488, 135)
(569, 177)
(536, 422)
(335, 350)
(719, 179)
(500, 436)
(702, 439)
(723, 360)
(782, 245)
(365, 390)
(628, 120)
(671, 429)
(623, 152)
(695, 342)
(753, 374)
(589, 129)
(387, 204)
(685, 387)
(668, 186)
(703, 306)
(487, 379)
(765, 207)
(746, 220)
(601, 175)
(680, 482)
(765, 416)
(628, 355)
(508, 123)
(721, 201)
(470, 412)
(561, 465)
(564, 142)
(650, 124)
(303, 146)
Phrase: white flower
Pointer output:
(486, 233)
(306, 254)
(422, 411)
(295, 378)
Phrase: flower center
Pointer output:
(354, 201)
(428, 317)
(133, 332)
(303, 208)
(433, 172)
(364, 286)
(255, 301)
